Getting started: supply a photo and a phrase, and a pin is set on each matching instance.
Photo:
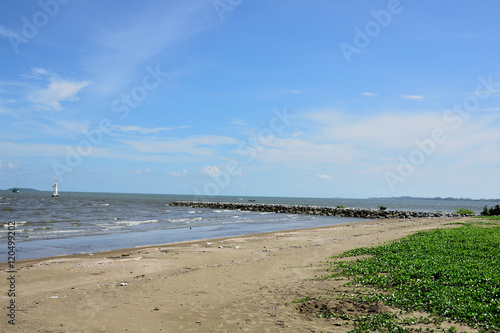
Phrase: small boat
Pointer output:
(15, 190)
(55, 194)
(251, 200)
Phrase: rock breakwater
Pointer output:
(315, 210)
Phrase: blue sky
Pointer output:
(237, 97)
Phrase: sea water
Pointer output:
(91, 222)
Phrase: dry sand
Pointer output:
(220, 285)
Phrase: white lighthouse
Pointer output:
(55, 194)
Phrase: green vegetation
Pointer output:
(492, 218)
(382, 207)
(449, 273)
(465, 211)
(341, 206)
(492, 211)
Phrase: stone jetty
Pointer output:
(315, 210)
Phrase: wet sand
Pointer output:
(220, 285)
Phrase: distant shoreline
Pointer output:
(434, 198)
(404, 197)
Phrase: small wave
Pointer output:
(191, 212)
(4, 203)
(178, 220)
(112, 227)
(197, 219)
(41, 228)
(17, 223)
(132, 223)
(104, 204)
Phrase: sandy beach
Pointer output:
(217, 285)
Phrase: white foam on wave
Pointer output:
(132, 223)
(17, 223)
(104, 204)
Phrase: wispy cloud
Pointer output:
(144, 130)
(195, 145)
(66, 128)
(291, 91)
(324, 177)
(369, 94)
(373, 144)
(490, 109)
(211, 170)
(179, 173)
(142, 171)
(280, 92)
(9, 165)
(151, 29)
(7, 33)
(238, 121)
(58, 90)
(416, 97)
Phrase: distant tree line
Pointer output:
(491, 211)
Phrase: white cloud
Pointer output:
(382, 130)
(10, 100)
(143, 130)
(151, 28)
(238, 121)
(291, 91)
(369, 94)
(196, 145)
(140, 172)
(490, 109)
(416, 97)
(300, 152)
(58, 91)
(324, 177)
(7, 33)
(179, 173)
(212, 171)
(39, 74)
(6, 110)
(72, 127)
(367, 146)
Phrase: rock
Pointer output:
(314, 210)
